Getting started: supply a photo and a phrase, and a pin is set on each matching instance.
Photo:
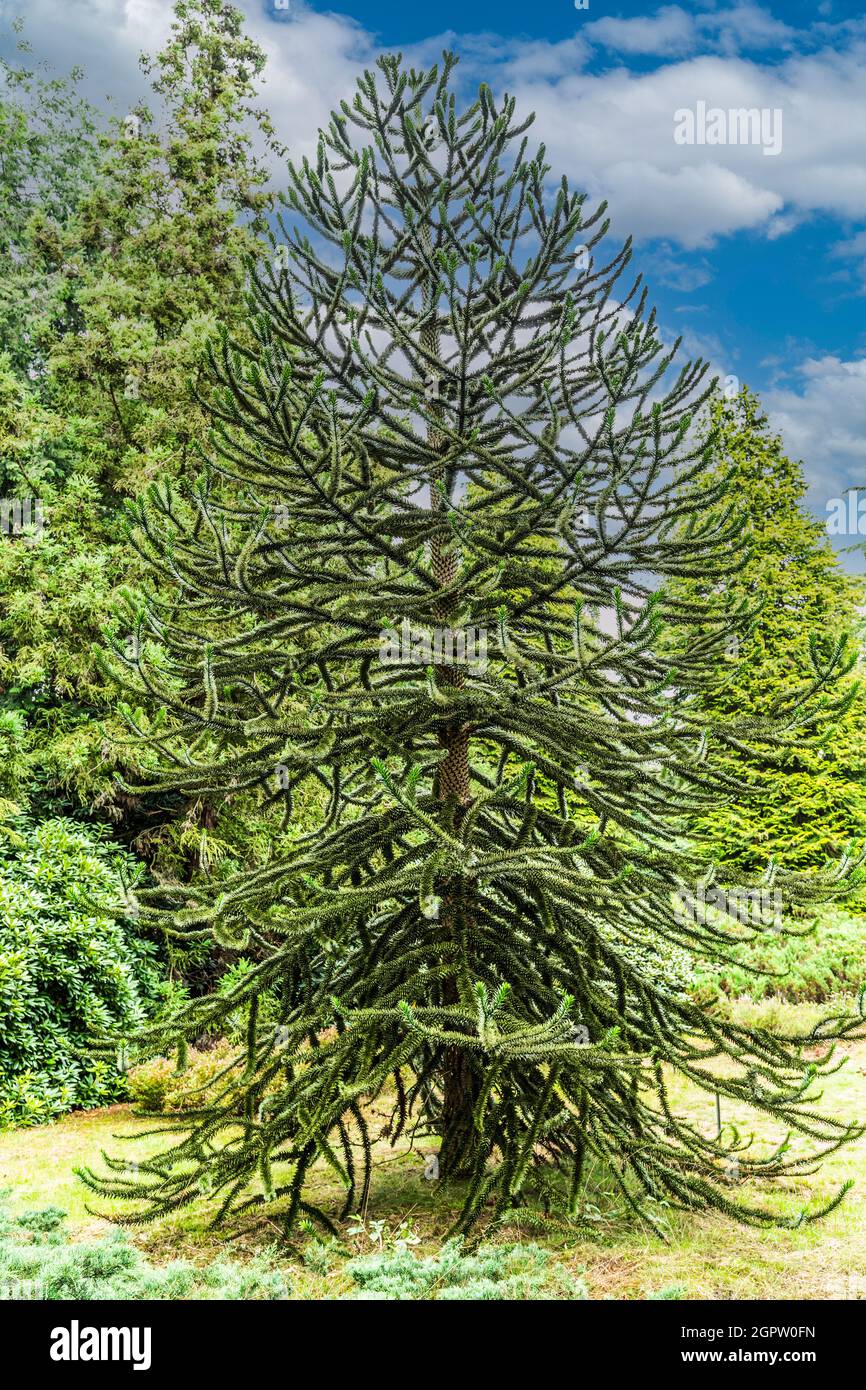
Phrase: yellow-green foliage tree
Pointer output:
(808, 798)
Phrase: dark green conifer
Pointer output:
(457, 416)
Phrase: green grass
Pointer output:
(706, 1257)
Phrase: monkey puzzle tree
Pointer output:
(449, 419)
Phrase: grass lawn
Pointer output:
(706, 1257)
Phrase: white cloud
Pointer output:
(739, 27)
(823, 421)
(670, 30)
(610, 131)
(711, 201)
(673, 31)
(313, 59)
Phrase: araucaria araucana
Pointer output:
(459, 415)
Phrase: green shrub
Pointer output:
(812, 968)
(69, 967)
(492, 1272)
(150, 1083)
(39, 1261)
(156, 1086)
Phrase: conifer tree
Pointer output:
(122, 246)
(455, 416)
(801, 804)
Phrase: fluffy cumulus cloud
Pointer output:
(670, 30)
(673, 30)
(104, 37)
(313, 59)
(613, 131)
(608, 126)
(822, 418)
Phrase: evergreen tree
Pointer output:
(800, 804)
(133, 234)
(48, 135)
(449, 423)
(160, 244)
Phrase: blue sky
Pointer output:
(758, 260)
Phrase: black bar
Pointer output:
(277, 1339)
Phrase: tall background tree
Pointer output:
(449, 418)
(133, 244)
(803, 803)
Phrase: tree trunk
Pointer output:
(459, 1083)
(460, 1089)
